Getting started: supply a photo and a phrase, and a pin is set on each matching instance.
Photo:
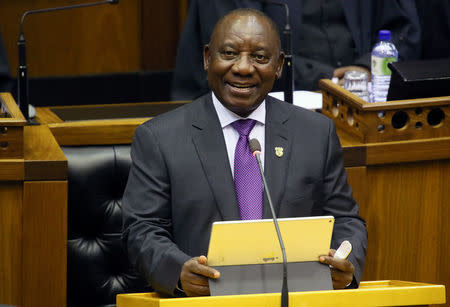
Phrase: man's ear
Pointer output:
(280, 65)
(206, 57)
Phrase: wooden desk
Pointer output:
(370, 293)
(402, 191)
(33, 221)
(401, 187)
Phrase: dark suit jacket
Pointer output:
(181, 182)
(364, 19)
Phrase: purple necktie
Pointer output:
(247, 178)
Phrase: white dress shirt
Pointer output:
(231, 136)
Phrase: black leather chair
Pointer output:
(97, 267)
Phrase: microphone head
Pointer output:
(255, 147)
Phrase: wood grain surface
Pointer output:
(12, 169)
(131, 36)
(33, 223)
(399, 120)
(15, 117)
(162, 22)
(406, 209)
(99, 132)
(11, 128)
(89, 40)
(46, 116)
(44, 159)
(401, 188)
(10, 242)
(44, 243)
(408, 151)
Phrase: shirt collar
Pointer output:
(227, 117)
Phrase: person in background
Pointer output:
(329, 37)
(434, 18)
(193, 166)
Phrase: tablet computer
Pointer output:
(256, 242)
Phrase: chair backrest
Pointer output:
(97, 266)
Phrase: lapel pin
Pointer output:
(279, 151)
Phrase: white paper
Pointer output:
(304, 99)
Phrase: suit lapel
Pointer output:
(208, 140)
(277, 154)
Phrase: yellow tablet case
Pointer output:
(248, 255)
(256, 241)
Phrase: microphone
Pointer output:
(255, 149)
(22, 74)
(288, 59)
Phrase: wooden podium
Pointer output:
(33, 212)
(370, 293)
(397, 157)
(400, 178)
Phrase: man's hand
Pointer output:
(340, 72)
(194, 276)
(341, 271)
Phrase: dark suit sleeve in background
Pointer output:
(189, 77)
(400, 17)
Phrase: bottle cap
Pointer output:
(384, 35)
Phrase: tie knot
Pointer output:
(244, 126)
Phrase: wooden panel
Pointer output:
(44, 243)
(421, 118)
(354, 156)
(100, 132)
(46, 116)
(44, 159)
(162, 22)
(408, 151)
(99, 39)
(11, 128)
(12, 109)
(12, 169)
(33, 223)
(134, 35)
(10, 243)
(11, 142)
(407, 214)
(357, 178)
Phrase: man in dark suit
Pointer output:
(181, 179)
(329, 37)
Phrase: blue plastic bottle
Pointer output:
(383, 53)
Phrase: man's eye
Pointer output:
(228, 53)
(260, 57)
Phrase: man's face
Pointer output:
(242, 61)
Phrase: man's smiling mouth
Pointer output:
(240, 86)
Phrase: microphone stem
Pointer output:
(22, 79)
(284, 289)
(22, 71)
(60, 9)
(289, 70)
